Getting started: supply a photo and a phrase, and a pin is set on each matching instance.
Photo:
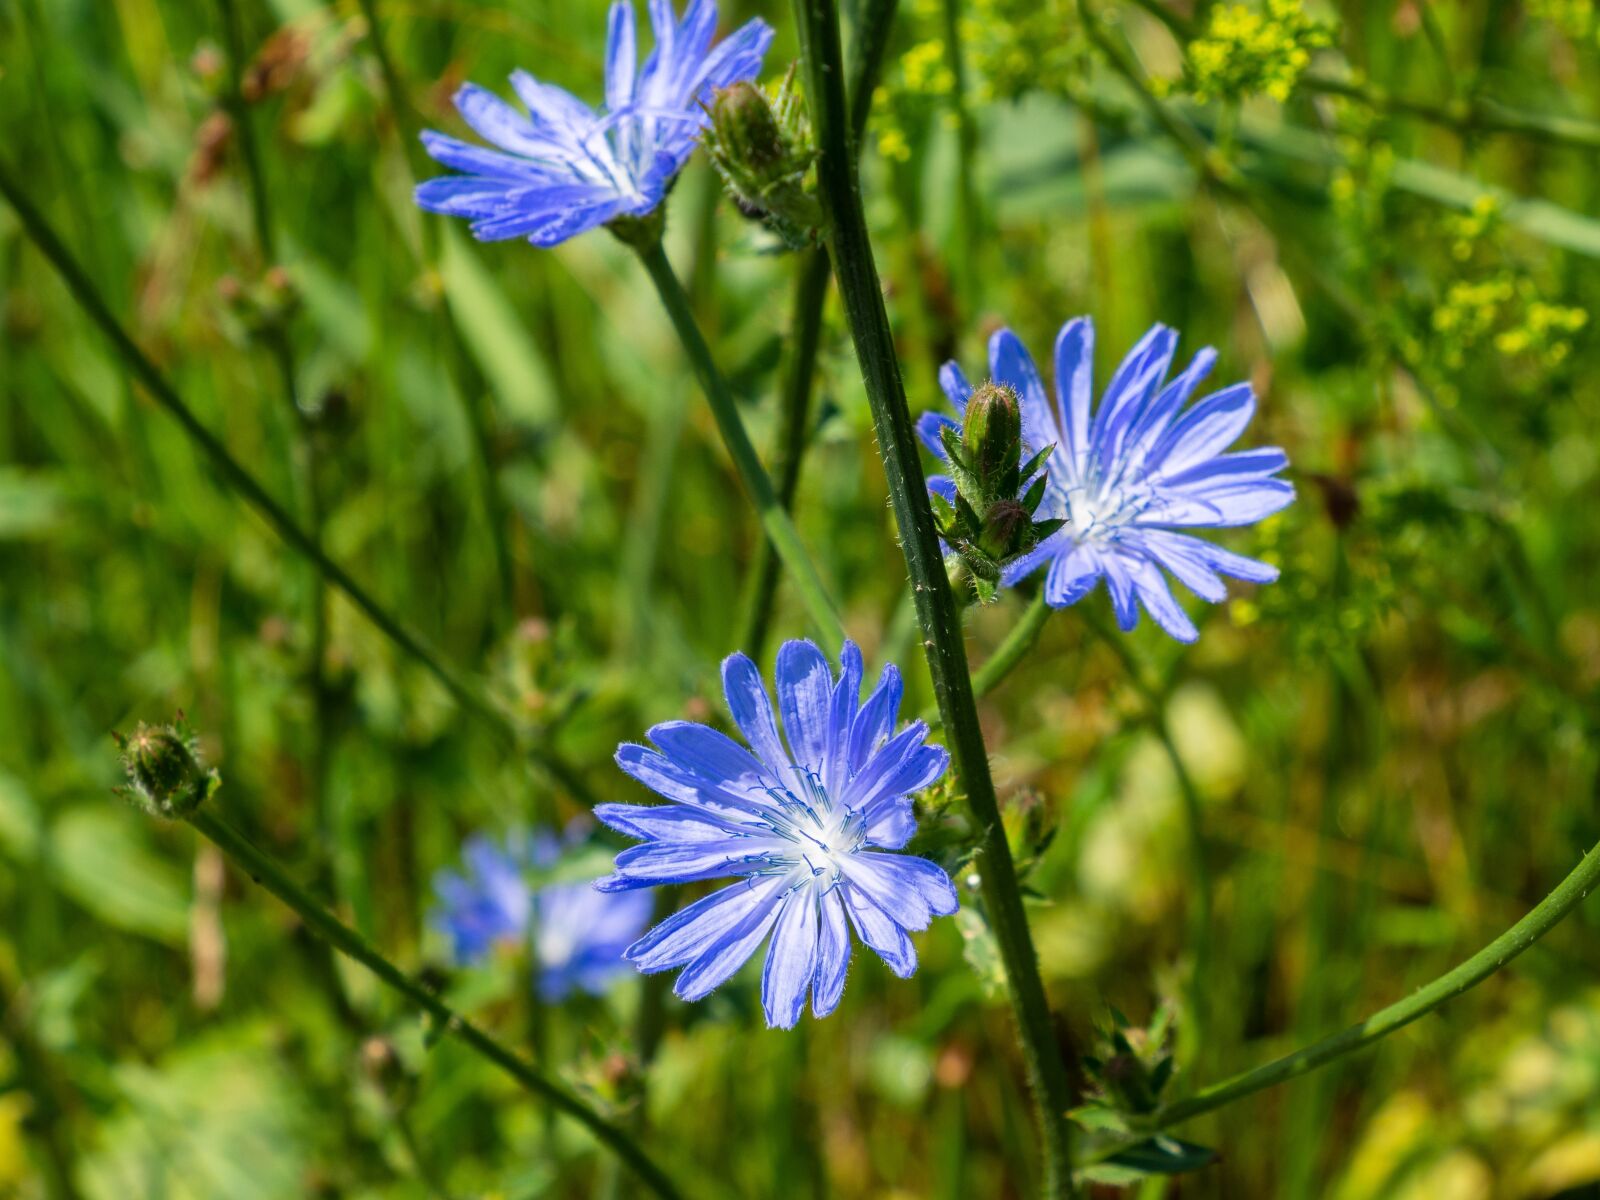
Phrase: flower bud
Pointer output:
(991, 435)
(1004, 526)
(746, 128)
(761, 146)
(1131, 1067)
(165, 775)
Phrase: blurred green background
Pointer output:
(1394, 747)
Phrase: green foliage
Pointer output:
(1393, 748)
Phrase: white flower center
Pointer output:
(823, 833)
(1098, 513)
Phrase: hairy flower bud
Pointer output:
(1004, 526)
(760, 144)
(746, 127)
(989, 520)
(165, 775)
(991, 435)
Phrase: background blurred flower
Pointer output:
(488, 904)
(566, 167)
(578, 934)
(800, 827)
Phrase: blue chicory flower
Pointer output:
(1130, 474)
(803, 829)
(566, 168)
(578, 934)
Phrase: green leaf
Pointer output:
(1163, 1155)
(99, 856)
(19, 819)
(496, 335)
(31, 503)
(982, 953)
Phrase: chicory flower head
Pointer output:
(565, 168)
(1132, 473)
(578, 934)
(803, 828)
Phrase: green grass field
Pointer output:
(1385, 217)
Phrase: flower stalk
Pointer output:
(1465, 976)
(811, 293)
(794, 412)
(266, 871)
(757, 483)
(937, 610)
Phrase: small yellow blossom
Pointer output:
(1246, 51)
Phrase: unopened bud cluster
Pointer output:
(1132, 1066)
(761, 146)
(166, 777)
(990, 521)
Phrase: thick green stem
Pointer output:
(757, 484)
(811, 290)
(348, 942)
(466, 691)
(937, 611)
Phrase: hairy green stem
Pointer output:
(794, 410)
(265, 871)
(1014, 648)
(937, 610)
(757, 484)
(466, 691)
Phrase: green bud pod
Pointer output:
(165, 775)
(1004, 525)
(991, 435)
(746, 128)
(760, 144)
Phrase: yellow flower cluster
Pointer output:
(1246, 51)
(925, 69)
(1469, 228)
(1507, 312)
(1010, 48)
(1017, 46)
